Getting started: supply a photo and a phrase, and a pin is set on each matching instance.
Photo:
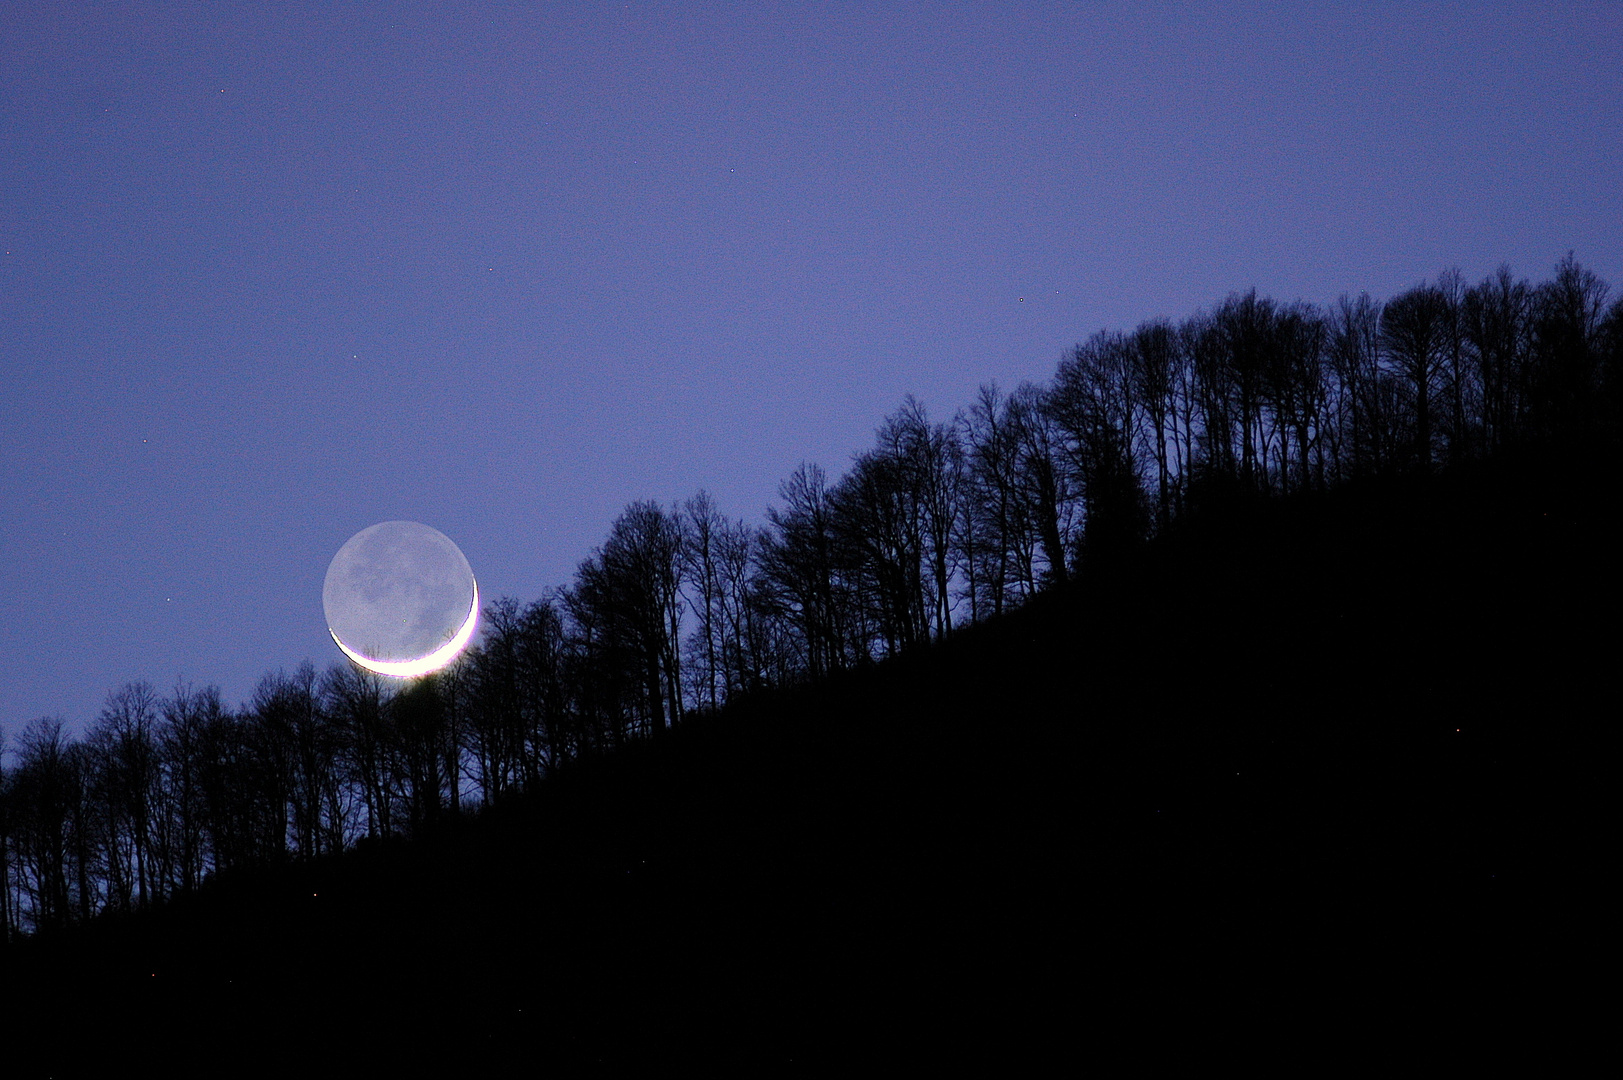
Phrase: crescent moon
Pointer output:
(407, 669)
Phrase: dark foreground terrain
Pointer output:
(1329, 766)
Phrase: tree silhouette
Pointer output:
(1094, 405)
(933, 526)
(1413, 333)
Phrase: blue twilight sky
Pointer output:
(273, 272)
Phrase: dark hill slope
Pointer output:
(1332, 761)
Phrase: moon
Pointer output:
(400, 599)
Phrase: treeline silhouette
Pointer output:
(684, 610)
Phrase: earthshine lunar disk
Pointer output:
(400, 599)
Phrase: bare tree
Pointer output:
(1460, 389)
(495, 728)
(878, 529)
(184, 719)
(126, 763)
(799, 569)
(43, 788)
(1363, 425)
(703, 525)
(1495, 325)
(1245, 336)
(418, 718)
(1045, 487)
(1094, 407)
(934, 460)
(753, 646)
(1567, 314)
(1296, 392)
(629, 594)
(1414, 335)
(1155, 362)
(357, 701)
(997, 541)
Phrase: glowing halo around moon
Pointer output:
(400, 599)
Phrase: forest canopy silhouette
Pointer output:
(937, 525)
(1245, 653)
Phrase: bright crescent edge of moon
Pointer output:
(406, 669)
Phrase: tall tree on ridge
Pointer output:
(1093, 404)
(1494, 317)
(799, 565)
(1413, 327)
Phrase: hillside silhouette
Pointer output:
(1250, 676)
(1319, 761)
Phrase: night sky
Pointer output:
(272, 273)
